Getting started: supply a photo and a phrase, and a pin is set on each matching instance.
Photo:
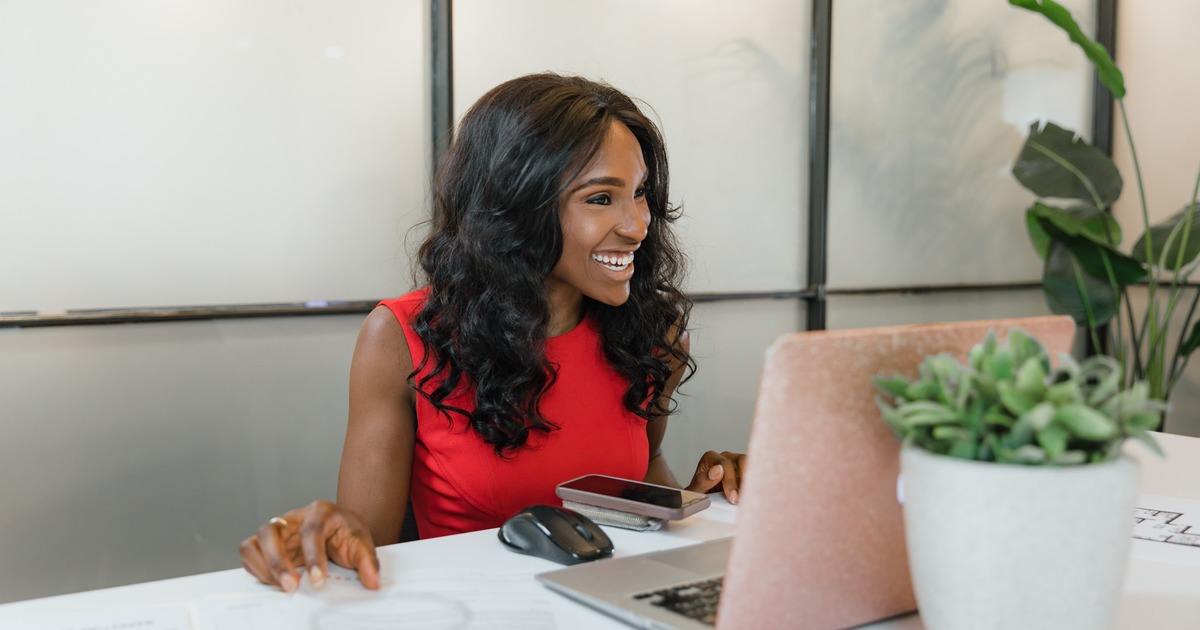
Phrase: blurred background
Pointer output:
(200, 200)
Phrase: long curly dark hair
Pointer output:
(495, 237)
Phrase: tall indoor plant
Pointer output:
(1017, 498)
(1085, 275)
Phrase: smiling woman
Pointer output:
(605, 219)
(540, 181)
(547, 344)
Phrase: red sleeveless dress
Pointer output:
(459, 484)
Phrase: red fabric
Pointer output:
(459, 484)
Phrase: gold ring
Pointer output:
(282, 522)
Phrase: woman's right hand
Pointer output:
(306, 539)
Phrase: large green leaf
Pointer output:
(1107, 71)
(1059, 284)
(1037, 236)
(1159, 234)
(1054, 162)
(1091, 223)
(1095, 258)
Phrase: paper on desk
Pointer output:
(1166, 529)
(438, 598)
(143, 618)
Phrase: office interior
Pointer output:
(841, 169)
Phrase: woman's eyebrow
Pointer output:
(595, 181)
(606, 180)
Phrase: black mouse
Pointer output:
(554, 533)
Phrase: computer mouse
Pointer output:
(556, 534)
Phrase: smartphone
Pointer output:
(637, 497)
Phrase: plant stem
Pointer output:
(1087, 304)
(1177, 280)
(1158, 340)
(1137, 169)
(1118, 292)
(1119, 342)
(1133, 339)
(1187, 322)
(1154, 362)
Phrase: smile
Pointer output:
(614, 262)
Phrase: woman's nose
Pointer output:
(636, 223)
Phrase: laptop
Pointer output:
(819, 541)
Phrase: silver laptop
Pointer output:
(820, 535)
(676, 588)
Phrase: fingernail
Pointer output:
(715, 472)
(316, 576)
(733, 496)
(288, 582)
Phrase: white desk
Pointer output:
(1158, 595)
(479, 552)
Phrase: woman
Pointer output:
(547, 344)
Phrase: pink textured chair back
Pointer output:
(820, 535)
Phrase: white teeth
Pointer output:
(615, 263)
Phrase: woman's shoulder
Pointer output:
(387, 331)
(405, 307)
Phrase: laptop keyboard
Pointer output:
(697, 600)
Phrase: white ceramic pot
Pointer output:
(1000, 546)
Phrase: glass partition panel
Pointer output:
(930, 103)
(203, 152)
(728, 82)
(150, 451)
(729, 340)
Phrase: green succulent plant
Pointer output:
(1007, 405)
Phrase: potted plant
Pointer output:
(1085, 275)
(1018, 504)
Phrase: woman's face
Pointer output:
(605, 217)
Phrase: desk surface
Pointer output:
(1159, 594)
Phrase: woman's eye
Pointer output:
(639, 193)
(600, 200)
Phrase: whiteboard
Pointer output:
(205, 152)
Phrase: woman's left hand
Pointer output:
(719, 471)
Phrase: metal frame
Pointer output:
(820, 38)
(442, 77)
(818, 220)
(1102, 101)
(88, 317)
(151, 314)
(1102, 120)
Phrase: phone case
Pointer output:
(629, 506)
(616, 518)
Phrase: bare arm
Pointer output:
(716, 471)
(372, 484)
(377, 455)
(658, 472)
